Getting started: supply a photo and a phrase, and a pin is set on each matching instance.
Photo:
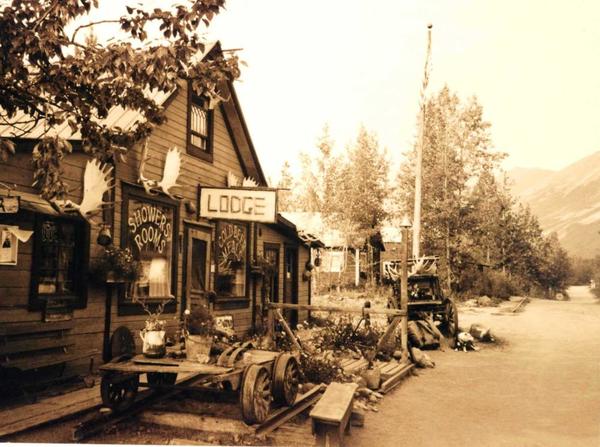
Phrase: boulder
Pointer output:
(484, 301)
(481, 332)
(421, 359)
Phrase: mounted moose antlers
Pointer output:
(170, 173)
(96, 181)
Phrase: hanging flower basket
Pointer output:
(116, 265)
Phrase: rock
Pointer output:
(363, 392)
(373, 378)
(481, 332)
(484, 301)
(361, 405)
(470, 303)
(361, 382)
(397, 354)
(377, 395)
(421, 359)
(373, 399)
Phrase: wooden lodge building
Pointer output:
(52, 309)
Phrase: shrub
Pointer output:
(342, 334)
(320, 370)
(200, 321)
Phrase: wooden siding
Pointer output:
(89, 322)
(271, 236)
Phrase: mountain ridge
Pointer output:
(566, 201)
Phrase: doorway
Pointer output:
(197, 267)
(271, 283)
(290, 283)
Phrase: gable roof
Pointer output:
(126, 118)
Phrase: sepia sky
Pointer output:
(533, 65)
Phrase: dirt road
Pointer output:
(540, 388)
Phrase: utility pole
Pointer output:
(419, 168)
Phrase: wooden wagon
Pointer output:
(261, 378)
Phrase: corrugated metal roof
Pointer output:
(118, 116)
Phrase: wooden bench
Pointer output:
(31, 346)
(330, 416)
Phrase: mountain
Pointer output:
(565, 201)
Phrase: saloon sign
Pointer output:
(249, 204)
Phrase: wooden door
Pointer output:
(271, 290)
(290, 283)
(197, 266)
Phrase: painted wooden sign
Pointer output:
(247, 204)
(9, 205)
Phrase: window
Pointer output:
(149, 231)
(232, 260)
(60, 251)
(200, 127)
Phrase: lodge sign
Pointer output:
(248, 204)
(9, 205)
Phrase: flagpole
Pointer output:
(416, 236)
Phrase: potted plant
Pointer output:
(199, 332)
(262, 267)
(153, 335)
(116, 265)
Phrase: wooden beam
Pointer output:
(288, 330)
(360, 310)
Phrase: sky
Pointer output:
(533, 65)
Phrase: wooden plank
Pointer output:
(15, 420)
(302, 403)
(14, 329)
(39, 361)
(355, 366)
(184, 366)
(371, 310)
(198, 422)
(334, 404)
(14, 347)
(393, 381)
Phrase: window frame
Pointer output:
(127, 306)
(77, 300)
(206, 155)
(234, 298)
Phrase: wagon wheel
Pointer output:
(119, 394)
(286, 376)
(121, 343)
(156, 379)
(255, 397)
(450, 322)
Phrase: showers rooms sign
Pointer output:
(249, 204)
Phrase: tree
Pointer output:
(456, 153)
(317, 189)
(286, 182)
(50, 75)
(364, 183)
